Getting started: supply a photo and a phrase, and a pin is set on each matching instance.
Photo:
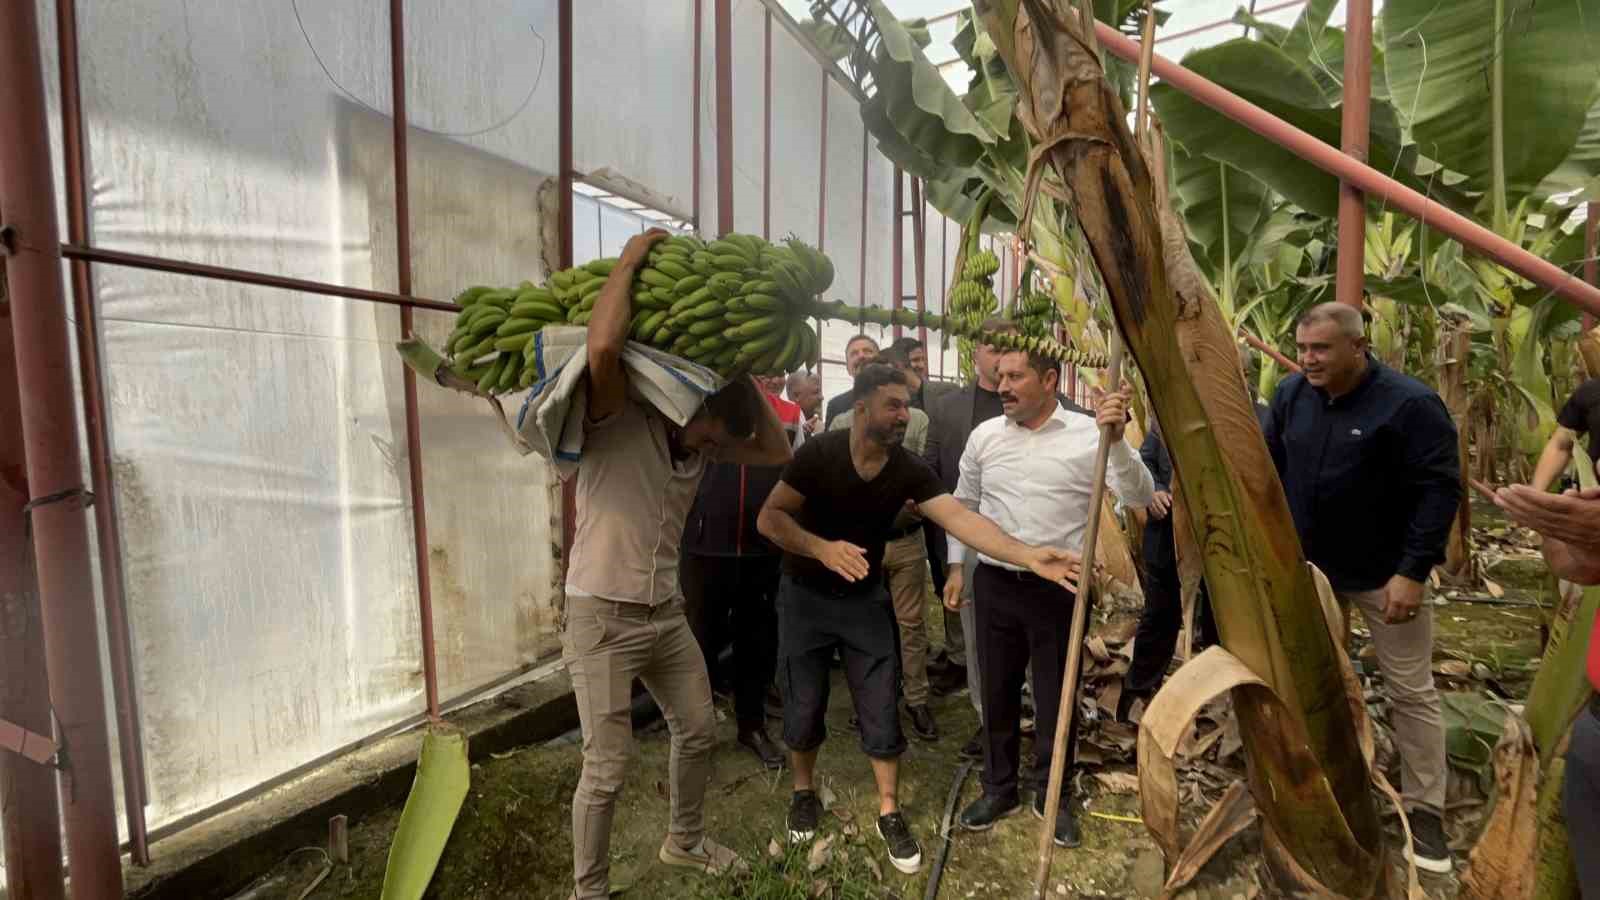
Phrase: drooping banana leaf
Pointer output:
(1438, 54)
(1580, 171)
(443, 776)
(915, 97)
(1269, 78)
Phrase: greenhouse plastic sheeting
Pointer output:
(749, 111)
(258, 435)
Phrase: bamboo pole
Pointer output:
(1080, 623)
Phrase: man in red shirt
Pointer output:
(1570, 525)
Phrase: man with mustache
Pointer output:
(858, 351)
(1032, 472)
(1369, 463)
(832, 513)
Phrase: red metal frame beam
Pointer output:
(694, 93)
(919, 269)
(1263, 347)
(30, 821)
(1472, 235)
(108, 525)
(1353, 133)
(1591, 246)
(569, 494)
(402, 217)
(57, 519)
(897, 243)
(861, 287)
(246, 276)
(1224, 23)
(723, 13)
(766, 128)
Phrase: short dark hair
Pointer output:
(875, 375)
(861, 337)
(735, 406)
(906, 345)
(893, 355)
(1039, 363)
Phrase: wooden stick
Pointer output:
(1080, 622)
(1148, 43)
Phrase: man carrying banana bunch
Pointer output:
(833, 512)
(624, 615)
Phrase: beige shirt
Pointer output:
(633, 501)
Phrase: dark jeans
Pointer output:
(731, 599)
(955, 640)
(1162, 618)
(1021, 618)
(1580, 799)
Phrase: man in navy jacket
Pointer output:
(1369, 463)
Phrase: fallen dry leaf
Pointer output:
(877, 871)
(819, 888)
(1453, 668)
(1108, 698)
(1495, 590)
(826, 796)
(821, 853)
(774, 850)
(1097, 650)
(1118, 782)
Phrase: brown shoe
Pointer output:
(708, 856)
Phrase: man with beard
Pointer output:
(858, 351)
(832, 513)
(1032, 472)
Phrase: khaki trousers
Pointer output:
(905, 561)
(606, 645)
(1405, 657)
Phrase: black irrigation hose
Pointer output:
(947, 825)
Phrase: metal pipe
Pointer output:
(402, 219)
(822, 166)
(723, 13)
(1263, 347)
(919, 246)
(766, 127)
(898, 249)
(1472, 235)
(1591, 246)
(58, 500)
(108, 525)
(30, 821)
(245, 276)
(569, 491)
(694, 93)
(1224, 23)
(1353, 134)
(861, 274)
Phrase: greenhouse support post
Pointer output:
(402, 230)
(108, 530)
(30, 820)
(694, 116)
(569, 494)
(919, 245)
(897, 245)
(1591, 246)
(58, 501)
(1329, 159)
(1353, 136)
(723, 14)
(766, 125)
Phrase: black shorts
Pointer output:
(811, 623)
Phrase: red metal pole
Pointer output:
(1472, 235)
(724, 25)
(861, 288)
(30, 822)
(897, 252)
(402, 218)
(1271, 351)
(766, 129)
(694, 93)
(569, 493)
(919, 269)
(1591, 246)
(54, 475)
(108, 525)
(1223, 23)
(1353, 134)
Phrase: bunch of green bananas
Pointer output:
(737, 304)
(1035, 313)
(972, 299)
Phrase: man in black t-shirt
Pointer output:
(1580, 416)
(832, 513)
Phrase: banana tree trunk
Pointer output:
(1453, 352)
(1317, 808)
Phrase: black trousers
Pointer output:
(1581, 798)
(955, 639)
(1157, 638)
(732, 599)
(1020, 618)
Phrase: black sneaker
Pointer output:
(1066, 823)
(804, 812)
(987, 810)
(765, 750)
(1430, 850)
(905, 853)
(973, 749)
(922, 724)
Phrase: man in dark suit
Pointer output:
(858, 351)
(930, 392)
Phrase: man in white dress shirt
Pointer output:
(1031, 472)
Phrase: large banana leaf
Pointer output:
(1218, 199)
(1269, 78)
(918, 101)
(1581, 169)
(1438, 55)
